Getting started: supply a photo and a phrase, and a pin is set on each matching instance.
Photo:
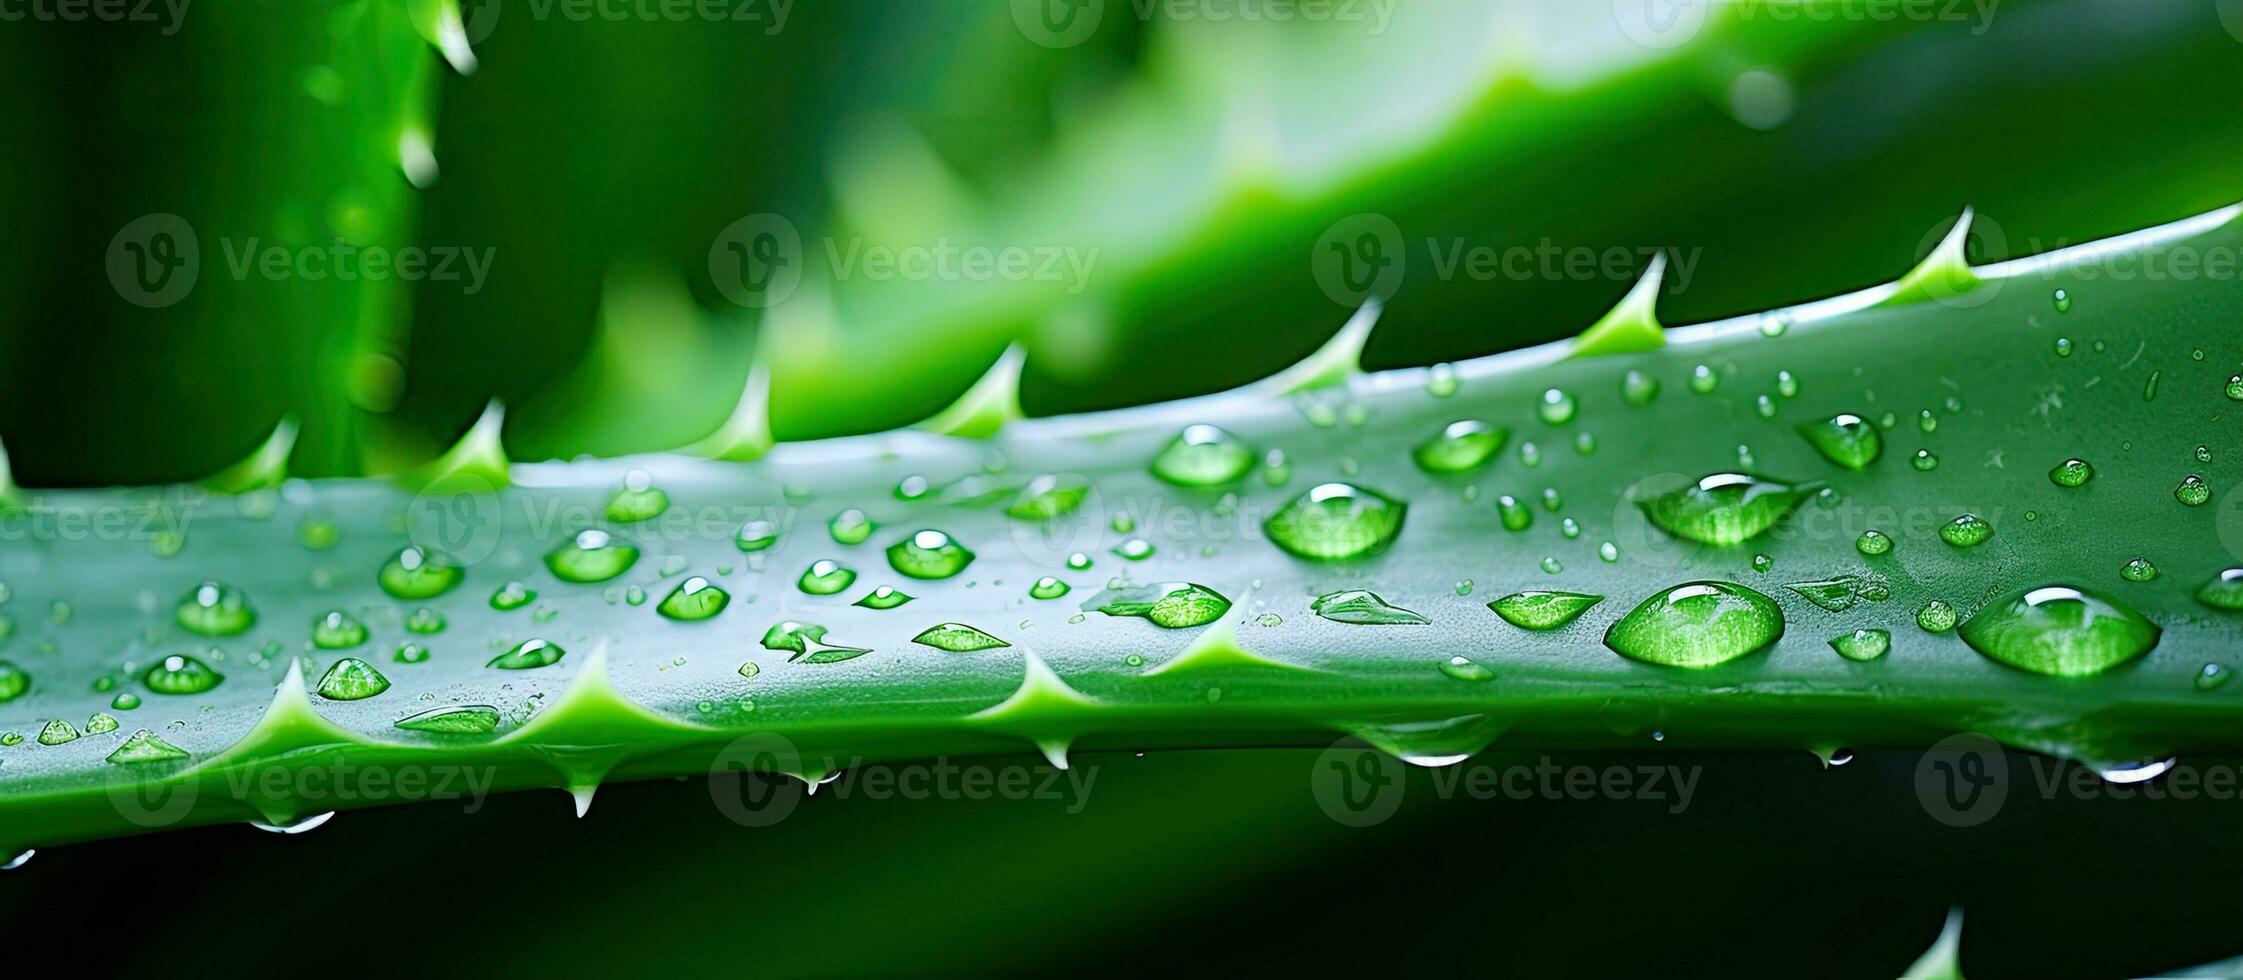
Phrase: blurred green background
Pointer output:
(1197, 162)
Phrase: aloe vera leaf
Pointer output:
(639, 694)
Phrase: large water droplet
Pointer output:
(351, 679)
(529, 655)
(145, 746)
(1873, 542)
(14, 681)
(417, 573)
(1845, 439)
(1335, 522)
(1543, 610)
(826, 577)
(1463, 445)
(639, 500)
(1966, 531)
(1697, 624)
(592, 556)
(2060, 631)
(1170, 605)
(457, 719)
(1726, 508)
(957, 638)
(216, 609)
(694, 599)
(1862, 644)
(1363, 608)
(180, 674)
(58, 732)
(1203, 456)
(929, 555)
(2193, 491)
(2223, 591)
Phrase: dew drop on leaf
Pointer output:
(1463, 445)
(592, 555)
(1726, 508)
(351, 679)
(826, 577)
(927, 555)
(1697, 624)
(957, 638)
(457, 719)
(180, 674)
(1542, 610)
(1203, 456)
(1462, 668)
(2059, 631)
(1862, 644)
(529, 655)
(1363, 608)
(1845, 439)
(693, 600)
(1336, 522)
(216, 609)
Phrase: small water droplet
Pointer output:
(1363, 608)
(2063, 301)
(1862, 644)
(2063, 347)
(2071, 473)
(216, 609)
(1516, 516)
(929, 554)
(512, 596)
(456, 719)
(1462, 668)
(425, 620)
(529, 655)
(1463, 445)
(1925, 461)
(957, 638)
(884, 597)
(693, 600)
(1203, 456)
(1540, 610)
(180, 674)
(591, 556)
(2138, 570)
(756, 536)
(1134, 549)
(1556, 407)
(1936, 616)
(1845, 439)
(1171, 605)
(2212, 676)
(1703, 380)
(1966, 531)
(2193, 491)
(1638, 388)
(411, 653)
(1551, 565)
(1440, 381)
(1047, 588)
(1873, 542)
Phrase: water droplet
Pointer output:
(911, 487)
(1551, 565)
(1638, 388)
(1924, 461)
(1608, 551)
(124, 701)
(1464, 445)
(180, 674)
(2223, 591)
(337, 630)
(351, 679)
(1516, 516)
(417, 573)
(529, 655)
(303, 825)
(929, 555)
(1845, 439)
(1862, 644)
(13, 682)
(749, 669)
(1049, 497)
(957, 638)
(1170, 605)
(1585, 443)
(2071, 473)
(456, 719)
(1556, 407)
(19, 860)
(1135, 549)
(638, 501)
(1764, 405)
(1275, 470)
(1203, 456)
(694, 599)
(58, 732)
(2193, 491)
(1697, 624)
(216, 609)
(1570, 528)
(425, 620)
(2138, 570)
(1726, 508)
(512, 596)
(2235, 387)
(1926, 421)
(1463, 669)
(826, 577)
(2149, 386)
(100, 724)
(1464, 587)
(592, 556)
(1078, 561)
(2203, 454)
(850, 527)
(1703, 380)
(1538, 610)
(2060, 631)
(145, 746)
(1440, 382)
(1936, 616)
(1966, 531)
(1336, 522)
(1873, 542)
(1047, 588)
(1363, 608)
(884, 597)
(2063, 300)
(756, 536)
(1787, 385)
(411, 653)
(2063, 347)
